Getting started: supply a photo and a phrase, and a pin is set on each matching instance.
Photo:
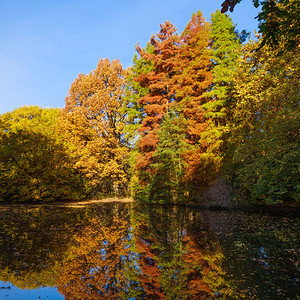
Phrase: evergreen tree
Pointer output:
(167, 184)
(133, 108)
(225, 53)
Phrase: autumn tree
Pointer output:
(93, 122)
(156, 102)
(278, 22)
(160, 95)
(34, 163)
(134, 91)
(193, 79)
(264, 153)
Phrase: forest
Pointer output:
(203, 114)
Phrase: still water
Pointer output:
(125, 251)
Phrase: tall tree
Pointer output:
(193, 79)
(225, 52)
(160, 96)
(93, 121)
(134, 91)
(156, 102)
(177, 85)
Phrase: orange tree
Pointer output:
(92, 122)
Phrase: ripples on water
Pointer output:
(124, 251)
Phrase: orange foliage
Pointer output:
(159, 83)
(93, 268)
(93, 122)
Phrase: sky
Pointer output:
(44, 44)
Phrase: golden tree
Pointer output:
(93, 123)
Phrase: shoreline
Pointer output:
(279, 209)
(81, 203)
(71, 203)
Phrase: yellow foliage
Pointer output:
(92, 123)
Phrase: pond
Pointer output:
(126, 251)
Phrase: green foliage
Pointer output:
(225, 53)
(167, 183)
(133, 108)
(34, 165)
(278, 22)
(264, 153)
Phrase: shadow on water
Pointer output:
(126, 251)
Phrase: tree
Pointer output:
(193, 79)
(155, 103)
(225, 54)
(278, 22)
(93, 122)
(176, 86)
(34, 163)
(225, 46)
(160, 96)
(134, 91)
(264, 153)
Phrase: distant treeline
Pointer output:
(194, 106)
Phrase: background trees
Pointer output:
(34, 164)
(264, 153)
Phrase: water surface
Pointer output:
(125, 251)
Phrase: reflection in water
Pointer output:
(94, 267)
(122, 251)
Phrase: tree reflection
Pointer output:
(119, 251)
(34, 240)
(94, 266)
(176, 260)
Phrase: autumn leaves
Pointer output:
(192, 106)
(93, 122)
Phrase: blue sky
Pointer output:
(45, 44)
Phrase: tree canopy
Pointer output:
(197, 108)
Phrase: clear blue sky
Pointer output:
(45, 44)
